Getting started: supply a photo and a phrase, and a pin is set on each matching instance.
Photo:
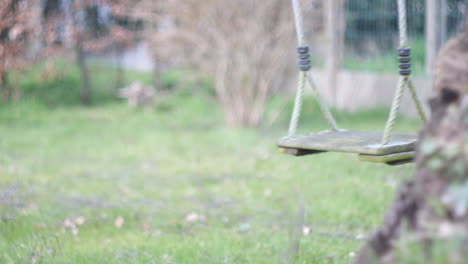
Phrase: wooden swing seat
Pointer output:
(367, 144)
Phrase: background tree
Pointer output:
(86, 27)
(15, 31)
(240, 44)
(432, 208)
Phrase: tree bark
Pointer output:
(434, 204)
(119, 68)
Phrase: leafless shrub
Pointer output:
(241, 43)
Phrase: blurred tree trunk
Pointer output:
(119, 68)
(15, 34)
(433, 207)
(36, 22)
(157, 73)
(5, 85)
(84, 71)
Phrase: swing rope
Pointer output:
(404, 79)
(296, 114)
(416, 101)
(323, 105)
(304, 76)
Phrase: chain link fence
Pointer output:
(371, 34)
(356, 57)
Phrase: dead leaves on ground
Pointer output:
(73, 225)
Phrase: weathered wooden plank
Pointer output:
(299, 152)
(361, 142)
(390, 159)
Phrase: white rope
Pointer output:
(402, 27)
(299, 22)
(416, 100)
(403, 81)
(323, 105)
(294, 123)
(402, 23)
(394, 111)
(403, 42)
(303, 77)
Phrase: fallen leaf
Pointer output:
(80, 220)
(360, 236)
(119, 222)
(192, 218)
(68, 223)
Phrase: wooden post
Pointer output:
(431, 35)
(335, 25)
(436, 31)
(443, 16)
(432, 185)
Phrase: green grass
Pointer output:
(63, 87)
(155, 167)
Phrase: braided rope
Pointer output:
(323, 105)
(299, 22)
(402, 81)
(296, 114)
(402, 26)
(416, 100)
(394, 111)
(403, 42)
(303, 77)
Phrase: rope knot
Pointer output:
(304, 58)
(404, 59)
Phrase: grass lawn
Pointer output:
(171, 184)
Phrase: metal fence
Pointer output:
(372, 31)
(356, 56)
